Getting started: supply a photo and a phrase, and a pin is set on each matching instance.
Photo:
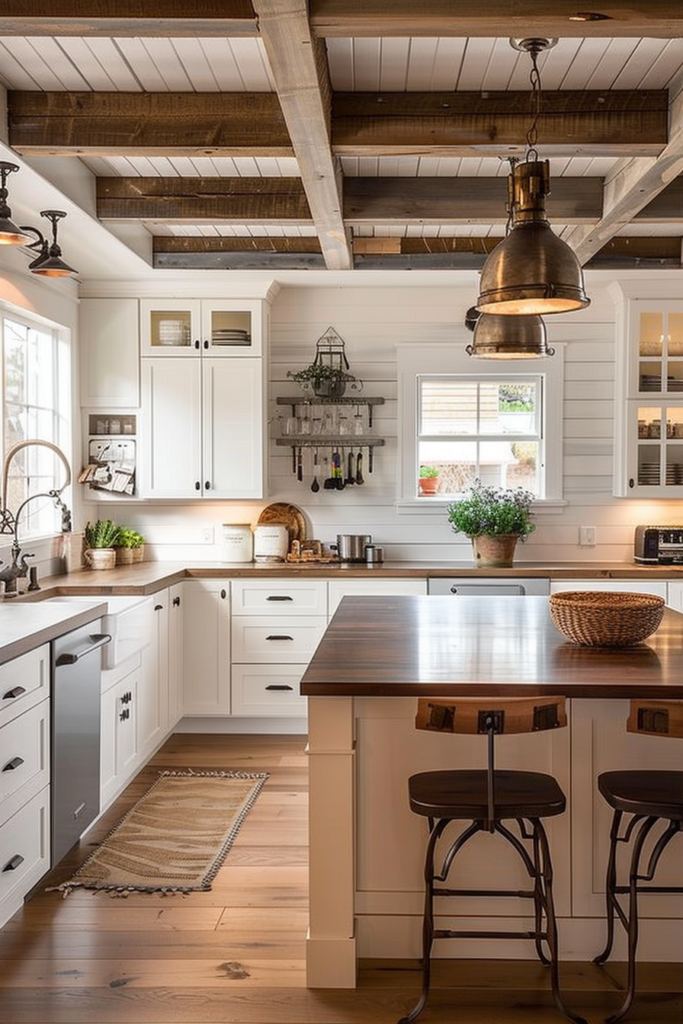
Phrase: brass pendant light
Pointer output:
(49, 262)
(507, 337)
(532, 271)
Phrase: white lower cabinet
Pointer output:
(206, 643)
(24, 776)
(118, 728)
(276, 626)
(174, 655)
(372, 588)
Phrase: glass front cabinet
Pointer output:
(649, 407)
(191, 327)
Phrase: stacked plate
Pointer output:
(650, 382)
(648, 474)
(229, 336)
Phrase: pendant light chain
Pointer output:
(536, 96)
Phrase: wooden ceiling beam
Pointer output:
(572, 123)
(118, 123)
(203, 200)
(632, 186)
(201, 18)
(298, 63)
(223, 253)
(400, 201)
(517, 18)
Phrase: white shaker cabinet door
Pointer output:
(233, 436)
(171, 428)
(110, 356)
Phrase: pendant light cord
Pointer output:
(535, 79)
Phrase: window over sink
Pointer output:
(463, 418)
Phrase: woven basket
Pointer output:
(596, 618)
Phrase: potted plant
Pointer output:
(325, 380)
(123, 545)
(494, 518)
(137, 544)
(100, 538)
(428, 483)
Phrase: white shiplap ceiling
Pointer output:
(95, 62)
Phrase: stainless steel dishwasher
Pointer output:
(76, 670)
(467, 586)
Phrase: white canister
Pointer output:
(271, 542)
(238, 543)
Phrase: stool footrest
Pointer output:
(527, 894)
(442, 933)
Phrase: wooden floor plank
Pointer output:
(236, 954)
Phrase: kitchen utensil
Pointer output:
(330, 483)
(351, 546)
(359, 468)
(338, 472)
(315, 486)
(299, 464)
(350, 477)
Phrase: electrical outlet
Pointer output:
(587, 536)
(207, 535)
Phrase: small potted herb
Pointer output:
(325, 380)
(428, 482)
(100, 538)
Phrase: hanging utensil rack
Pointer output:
(335, 442)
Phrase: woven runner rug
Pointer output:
(175, 838)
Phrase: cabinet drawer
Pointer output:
(24, 757)
(24, 682)
(268, 640)
(24, 852)
(260, 690)
(279, 597)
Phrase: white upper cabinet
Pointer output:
(214, 327)
(649, 400)
(109, 353)
(202, 428)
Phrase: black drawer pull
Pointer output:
(176, 602)
(14, 862)
(276, 636)
(14, 693)
(158, 607)
(16, 762)
(279, 597)
(224, 594)
(279, 686)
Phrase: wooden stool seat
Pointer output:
(653, 803)
(658, 793)
(462, 795)
(509, 805)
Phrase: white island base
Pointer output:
(367, 848)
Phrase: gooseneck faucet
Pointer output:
(9, 522)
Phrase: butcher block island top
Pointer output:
(502, 646)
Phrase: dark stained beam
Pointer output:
(369, 201)
(217, 253)
(373, 18)
(203, 200)
(170, 124)
(572, 123)
(200, 18)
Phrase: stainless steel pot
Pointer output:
(351, 546)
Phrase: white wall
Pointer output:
(374, 321)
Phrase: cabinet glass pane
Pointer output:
(231, 328)
(674, 376)
(649, 422)
(651, 334)
(674, 464)
(650, 378)
(170, 327)
(676, 334)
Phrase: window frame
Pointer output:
(59, 411)
(415, 361)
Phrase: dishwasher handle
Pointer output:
(71, 657)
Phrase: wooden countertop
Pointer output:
(440, 646)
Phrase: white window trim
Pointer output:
(415, 360)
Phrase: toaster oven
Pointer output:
(659, 545)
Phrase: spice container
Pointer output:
(238, 543)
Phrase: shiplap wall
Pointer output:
(374, 321)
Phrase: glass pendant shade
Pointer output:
(509, 337)
(531, 271)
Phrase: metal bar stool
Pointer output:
(488, 798)
(651, 800)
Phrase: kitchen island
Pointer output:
(366, 848)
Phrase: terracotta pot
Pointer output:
(497, 551)
(100, 558)
(428, 484)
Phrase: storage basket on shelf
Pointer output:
(597, 618)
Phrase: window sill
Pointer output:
(437, 506)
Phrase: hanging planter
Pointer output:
(328, 375)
